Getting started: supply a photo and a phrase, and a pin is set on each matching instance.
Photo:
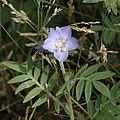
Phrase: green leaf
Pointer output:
(19, 78)
(61, 90)
(106, 20)
(115, 89)
(90, 109)
(98, 102)
(96, 28)
(13, 65)
(30, 63)
(92, 1)
(88, 91)
(79, 89)
(25, 85)
(118, 94)
(52, 81)
(40, 101)
(57, 106)
(44, 75)
(37, 71)
(82, 69)
(100, 75)
(114, 7)
(90, 70)
(114, 109)
(104, 99)
(107, 115)
(29, 73)
(102, 88)
(34, 92)
(99, 117)
(108, 36)
(116, 20)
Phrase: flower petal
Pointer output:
(39, 48)
(49, 44)
(72, 43)
(61, 56)
(59, 31)
(66, 32)
(55, 33)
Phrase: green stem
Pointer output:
(68, 93)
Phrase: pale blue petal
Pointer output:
(72, 43)
(39, 48)
(59, 31)
(49, 44)
(54, 34)
(66, 32)
(61, 56)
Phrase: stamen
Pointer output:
(61, 45)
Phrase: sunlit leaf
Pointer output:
(102, 88)
(13, 65)
(40, 101)
(118, 94)
(115, 89)
(24, 86)
(90, 70)
(44, 75)
(37, 71)
(107, 115)
(104, 99)
(52, 82)
(20, 78)
(114, 7)
(61, 90)
(88, 91)
(34, 92)
(81, 70)
(79, 89)
(113, 108)
(100, 75)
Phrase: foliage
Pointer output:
(86, 86)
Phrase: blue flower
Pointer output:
(59, 42)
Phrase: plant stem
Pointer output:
(70, 107)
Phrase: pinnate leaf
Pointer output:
(40, 101)
(100, 75)
(90, 70)
(88, 91)
(34, 92)
(82, 69)
(44, 75)
(79, 89)
(102, 88)
(20, 78)
(24, 86)
(13, 65)
(37, 71)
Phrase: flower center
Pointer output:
(61, 45)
